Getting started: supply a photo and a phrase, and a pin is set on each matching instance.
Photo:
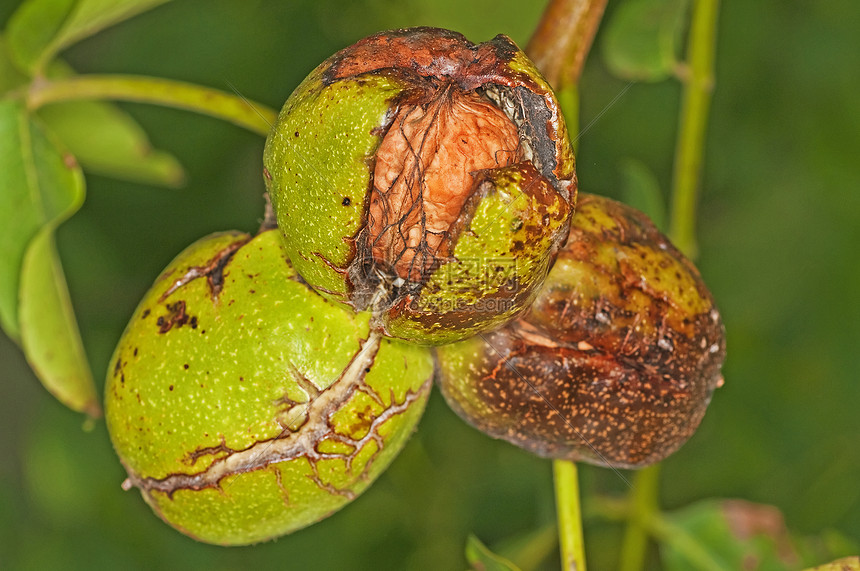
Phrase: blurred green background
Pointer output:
(779, 237)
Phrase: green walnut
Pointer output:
(244, 405)
(615, 362)
(425, 178)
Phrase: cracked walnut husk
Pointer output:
(244, 405)
(426, 178)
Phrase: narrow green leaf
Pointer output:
(531, 548)
(732, 533)
(41, 187)
(107, 141)
(845, 564)
(641, 39)
(20, 207)
(49, 331)
(91, 16)
(480, 557)
(640, 189)
(32, 28)
(41, 28)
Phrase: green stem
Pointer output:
(219, 104)
(698, 80)
(643, 506)
(568, 99)
(663, 530)
(685, 544)
(567, 498)
(562, 39)
(569, 515)
(559, 47)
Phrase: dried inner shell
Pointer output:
(425, 170)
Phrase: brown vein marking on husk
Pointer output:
(285, 493)
(213, 270)
(302, 443)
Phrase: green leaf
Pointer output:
(20, 213)
(642, 38)
(39, 29)
(845, 564)
(40, 186)
(640, 189)
(107, 141)
(480, 557)
(49, 332)
(730, 534)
